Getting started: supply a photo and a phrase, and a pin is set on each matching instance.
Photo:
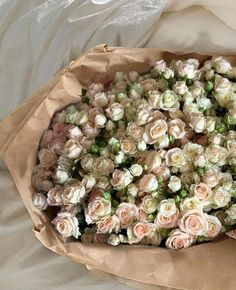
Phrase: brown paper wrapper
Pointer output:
(206, 266)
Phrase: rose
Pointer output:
(168, 100)
(210, 124)
(113, 240)
(71, 208)
(152, 160)
(132, 76)
(176, 128)
(73, 149)
(67, 225)
(108, 224)
(216, 154)
(167, 207)
(179, 240)
(100, 238)
(115, 112)
(134, 131)
(193, 222)
(168, 73)
(187, 70)
(102, 182)
(222, 85)
(121, 178)
(136, 169)
(127, 214)
(221, 197)
(47, 157)
(231, 215)
(94, 88)
(180, 87)
(142, 215)
(153, 99)
(162, 171)
(226, 99)
(231, 146)
(75, 132)
(100, 100)
(87, 238)
(160, 66)
(141, 230)
(221, 65)
(141, 145)
(40, 201)
(167, 222)
(148, 183)
(191, 203)
(136, 91)
(200, 160)
(96, 209)
(47, 139)
(54, 196)
(188, 99)
(142, 116)
(197, 121)
(194, 62)
(152, 238)
(154, 130)
(132, 189)
(77, 118)
(211, 178)
(128, 146)
(214, 227)
(175, 157)
(162, 142)
(174, 183)
(120, 86)
(87, 162)
(148, 84)
(191, 150)
(119, 157)
(149, 204)
(100, 120)
(73, 193)
(103, 166)
(88, 182)
(90, 130)
(202, 191)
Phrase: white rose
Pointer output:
(128, 146)
(149, 204)
(217, 154)
(191, 150)
(73, 193)
(231, 215)
(73, 149)
(216, 139)
(177, 128)
(142, 145)
(162, 142)
(187, 70)
(168, 100)
(40, 201)
(214, 227)
(88, 182)
(160, 66)
(100, 120)
(115, 112)
(190, 108)
(100, 100)
(222, 85)
(180, 87)
(113, 240)
(197, 89)
(167, 207)
(153, 99)
(119, 158)
(168, 73)
(61, 175)
(231, 146)
(67, 225)
(132, 189)
(221, 65)
(75, 132)
(221, 197)
(194, 62)
(210, 124)
(136, 170)
(82, 117)
(174, 183)
(188, 98)
(200, 160)
(197, 121)
(211, 177)
(204, 103)
(121, 178)
(191, 203)
(142, 116)
(175, 157)
(209, 74)
(154, 130)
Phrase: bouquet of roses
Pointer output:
(144, 159)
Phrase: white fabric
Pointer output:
(39, 37)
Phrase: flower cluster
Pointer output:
(145, 159)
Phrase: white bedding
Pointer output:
(37, 38)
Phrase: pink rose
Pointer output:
(202, 191)
(67, 224)
(141, 229)
(193, 222)
(58, 144)
(90, 130)
(135, 131)
(214, 227)
(47, 157)
(211, 178)
(54, 196)
(97, 209)
(142, 215)
(121, 178)
(162, 171)
(108, 224)
(148, 183)
(167, 222)
(60, 129)
(154, 130)
(179, 240)
(177, 128)
(127, 214)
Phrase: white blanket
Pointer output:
(39, 37)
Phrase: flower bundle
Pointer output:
(146, 159)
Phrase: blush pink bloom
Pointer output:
(47, 157)
(108, 224)
(178, 240)
(60, 129)
(127, 214)
(167, 222)
(148, 183)
(93, 89)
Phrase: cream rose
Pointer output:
(61, 175)
(149, 204)
(178, 240)
(186, 70)
(87, 162)
(132, 189)
(143, 117)
(221, 65)
(108, 224)
(193, 222)
(97, 208)
(75, 132)
(197, 121)
(154, 130)
(177, 128)
(67, 225)
(210, 124)
(221, 197)
(160, 66)
(167, 207)
(175, 157)
(121, 178)
(152, 160)
(40, 201)
(54, 196)
(222, 85)
(214, 227)
(168, 100)
(103, 166)
(148, 183)
(73, 149)
(191, 150)
(200, 160)
(134, 131)
(100, 120)
(174, 183)
(128, 146)
(180, 87)
(73, 193)
(47, 157)
(153, 99)
(113, 240)
(191, 203)
(216, 154)
(136, 170)
(211, 178)
(167, 222)
(88, 182)
(127, 214)
(115, 112)
(202, 191)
